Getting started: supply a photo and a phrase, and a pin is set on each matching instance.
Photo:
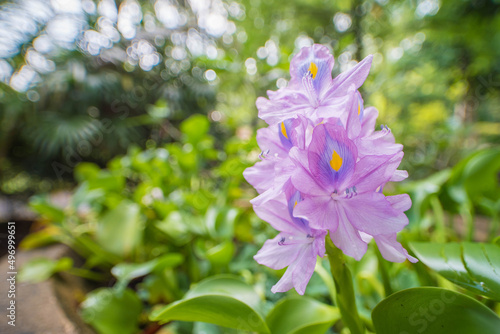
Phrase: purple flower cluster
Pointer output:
(322, 169)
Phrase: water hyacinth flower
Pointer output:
(270, 175)
(322, 171)
(296, 246)
(341, 191)
(312, 91)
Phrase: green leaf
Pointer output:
(175, 227)
(195, 128)
(222, 300)
(93, 251)
(40, 269)
(301, 315)
(128, 271)
(221, 254)
(119, 230)
(433, 310)
(49, 235)
(474, 266)
(86, 171)
(111, 311)
(477, 175)
(41, 205)
(84, 196)
(421, 192)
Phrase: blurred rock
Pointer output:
(49, 307)
(14, 210)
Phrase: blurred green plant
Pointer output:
(437, 90)
(157, 221)
(461, 194)
(172, 213)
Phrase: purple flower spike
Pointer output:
(324, 167)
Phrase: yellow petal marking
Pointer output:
(283, 130)
(313, 69)
(336, 161)
(295, 204)
(359, 108)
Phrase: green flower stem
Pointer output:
(346, 301)
(437, 208)
(384, 272)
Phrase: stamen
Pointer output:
(263, 155)
(350, 192)
(294, 241)
(385, 130)
(384, 127)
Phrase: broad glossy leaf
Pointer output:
(120, 229)
(432, 310)
(474, 266)
(222, 300)
(301, 315)
(111, 311)
(39, 269)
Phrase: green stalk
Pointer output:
(346, 301)
(386, 280)
(438, 211)
(87, 274)
(466, 213)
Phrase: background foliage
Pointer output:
(145, 111)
